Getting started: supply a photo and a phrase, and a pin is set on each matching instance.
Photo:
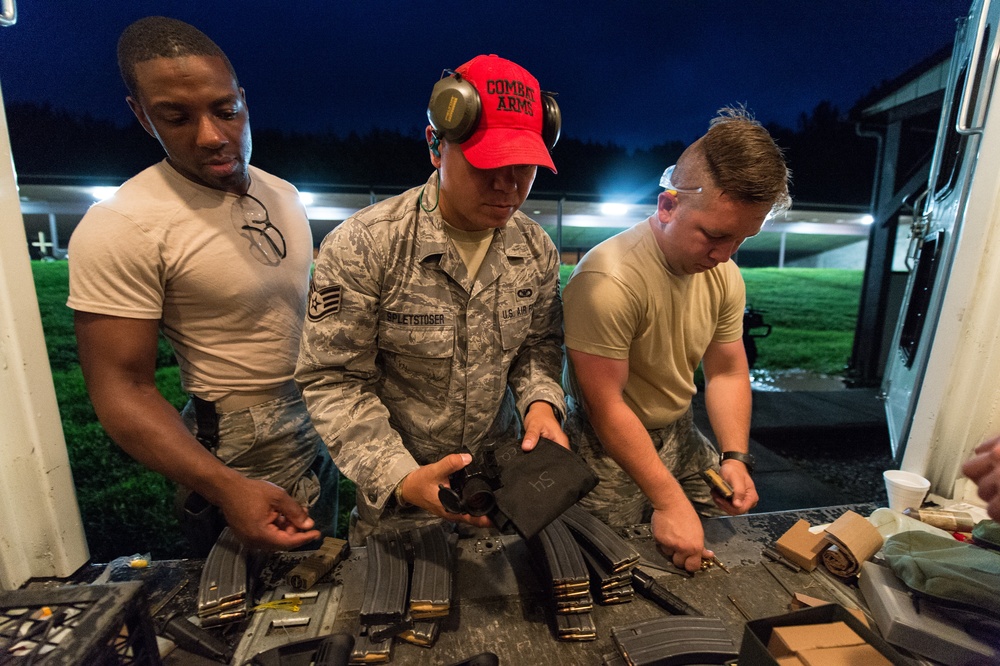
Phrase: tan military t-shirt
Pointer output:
(623, 303)
(471, 245)
(166, 248)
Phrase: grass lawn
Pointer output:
(127, 509)
(812, 313)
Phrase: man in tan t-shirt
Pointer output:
(215, 253)
(642, 310)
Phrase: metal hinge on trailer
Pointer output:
(918, 229)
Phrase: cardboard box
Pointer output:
(849, 655)
(800, 600)
(757, 634)
(791, 640)
(802, 547)
(789, 661)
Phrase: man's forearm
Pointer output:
(150, 430)
(629, 444)
(535, 376)
(728, 402)
(354, 424)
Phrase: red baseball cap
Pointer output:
(513, 112)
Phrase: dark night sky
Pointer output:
(636, 73)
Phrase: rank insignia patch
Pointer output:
(323, 302)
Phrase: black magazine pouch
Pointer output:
(538, 485)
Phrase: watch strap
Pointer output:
(744, 458)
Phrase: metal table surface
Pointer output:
(501, 606)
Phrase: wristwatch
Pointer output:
(397, 494)
(744, 458)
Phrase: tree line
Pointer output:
(830, 162)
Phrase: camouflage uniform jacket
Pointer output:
(405, 359)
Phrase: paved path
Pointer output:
(800, 421)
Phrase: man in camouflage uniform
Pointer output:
(643, 309)
(435, 322)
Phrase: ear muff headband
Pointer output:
(455, 108)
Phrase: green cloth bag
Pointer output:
(955, 575)
(986, 533)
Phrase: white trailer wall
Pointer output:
(40, 530)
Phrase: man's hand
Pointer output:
(264, 516)
(984, 469)
(744, 492)
(541, 421)
(679, 536)
(420, 488)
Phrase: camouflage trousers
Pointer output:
(275, 441)
(617, 500)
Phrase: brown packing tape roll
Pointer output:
(952, 521)
(854, 541)
(841, 563)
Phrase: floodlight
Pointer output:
(102, 192)
(614, 209)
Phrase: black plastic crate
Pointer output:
(92, 625)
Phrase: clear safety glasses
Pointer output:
(251, 219)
